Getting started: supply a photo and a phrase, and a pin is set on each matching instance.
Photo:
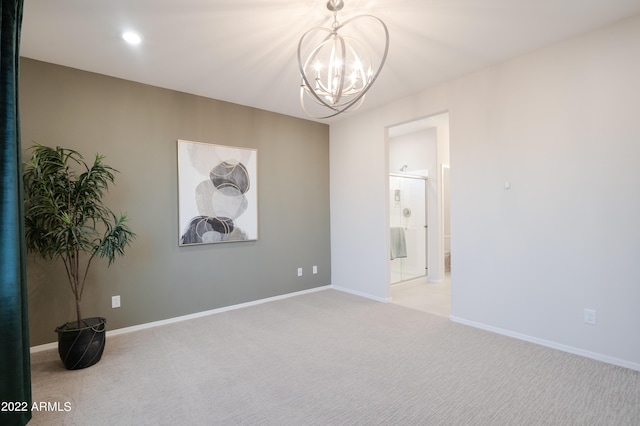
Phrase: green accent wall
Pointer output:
(136, 127)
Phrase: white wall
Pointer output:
(416, 150)
(359, 225)
(563, 126)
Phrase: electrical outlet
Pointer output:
(315, 269)
(590, 316)
(299, 272)
(115, 302)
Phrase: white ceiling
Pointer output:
(244, 51)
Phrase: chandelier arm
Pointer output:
(359, 72)
(357, 102)
(306, 83)
(304, 108)
(312, 56)
(337, 95)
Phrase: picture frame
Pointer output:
(217, 193)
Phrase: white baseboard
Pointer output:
(45, 347)
(54, 345)
(570, 349)
(361, 294)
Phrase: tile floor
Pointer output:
(434, 298)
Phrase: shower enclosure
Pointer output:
(408, 222)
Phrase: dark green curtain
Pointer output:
(15, 368)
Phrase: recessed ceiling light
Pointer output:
(131, 37)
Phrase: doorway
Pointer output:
(421, 149)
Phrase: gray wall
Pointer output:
(136, 126)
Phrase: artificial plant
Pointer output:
(64, 213)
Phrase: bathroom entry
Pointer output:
(420, 149)
(408, 223)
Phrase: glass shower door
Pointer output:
(408, 224)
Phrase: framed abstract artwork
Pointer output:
(217, 193)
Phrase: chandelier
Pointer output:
(337, 69)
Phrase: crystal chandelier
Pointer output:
(337, 69)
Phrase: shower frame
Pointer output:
(414, 276)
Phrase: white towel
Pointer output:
(398, 243)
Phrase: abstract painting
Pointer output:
(217, 193)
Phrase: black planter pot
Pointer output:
(81, 346)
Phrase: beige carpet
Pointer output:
(330, 358)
